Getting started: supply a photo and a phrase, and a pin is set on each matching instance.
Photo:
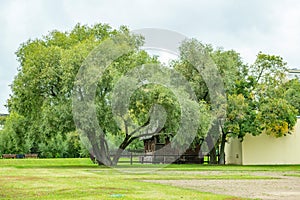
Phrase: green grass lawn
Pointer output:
(80, 179)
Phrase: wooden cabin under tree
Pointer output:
(159, 150)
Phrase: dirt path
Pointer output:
(283, 187)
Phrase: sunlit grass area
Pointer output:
(81, 179)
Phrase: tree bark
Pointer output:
(222, 149)
(212, 153)
(122, 147)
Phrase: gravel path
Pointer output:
(283, 187)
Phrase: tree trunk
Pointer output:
(117, 157)
(213, 156)
(212, 153)
(100, 152)
(128, 139)
(104, 153)
(222, 149)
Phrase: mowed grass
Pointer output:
(81, 179)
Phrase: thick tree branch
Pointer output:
(139, 128)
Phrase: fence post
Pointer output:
(130, 158)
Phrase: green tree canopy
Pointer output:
(207, 85)
(44, 87)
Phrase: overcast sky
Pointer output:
(247, 26)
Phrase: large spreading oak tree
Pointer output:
(44, 88)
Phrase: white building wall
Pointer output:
(265, 149)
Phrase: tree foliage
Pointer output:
(256, 98)
(42, 89)
(291, 93)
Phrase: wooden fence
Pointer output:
(134, 158)
(19, 156)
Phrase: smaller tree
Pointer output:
(258, 103)
(12, 137)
